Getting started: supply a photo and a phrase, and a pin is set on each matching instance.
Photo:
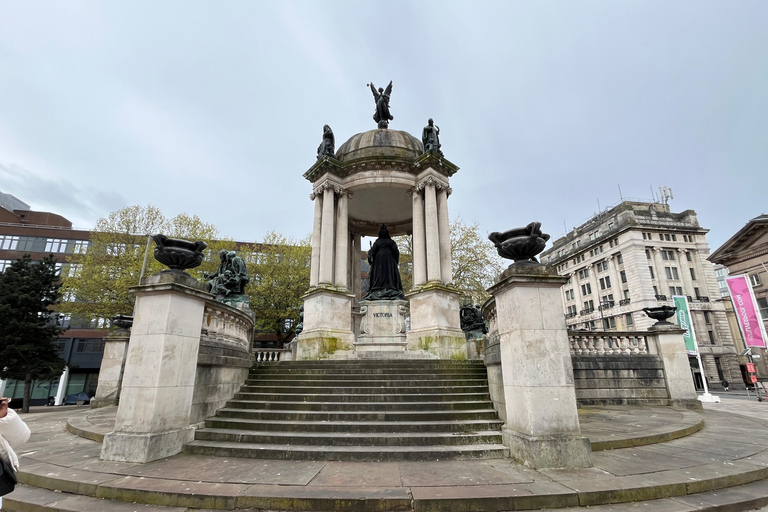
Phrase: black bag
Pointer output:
(8, 479)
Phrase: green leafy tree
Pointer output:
(28, 327)
(279, 269)
(99, 286)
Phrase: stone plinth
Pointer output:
(111, 371)
(435, 322)
(382, 327)
(542, 425)
(327, 330)
(153, 418)
(677, 371)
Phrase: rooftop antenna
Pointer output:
(565, 227)
(666, 194)
(598, 207)
(653, 196)
(620, 196)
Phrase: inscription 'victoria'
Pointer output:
(387, 315)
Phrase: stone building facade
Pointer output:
(637, 255)
(746, 253)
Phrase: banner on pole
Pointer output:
(683, 318)
(745, 305)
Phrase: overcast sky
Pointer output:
(217, 108)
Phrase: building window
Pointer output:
(661, 236)
(619, 258)
(572, 311)
(605, 282)
(668, 255)
(629, 320)
(4, 264)
(693, 274)
(762, 303)
(650, 269)
(707, 317)
(569, 294)
(696, 292)
(583, 273)
(586, 289)
(688, 256)
(92, 346)
(675, 290)
(623, 276)
(74, 269)
(55, 245)
(602, 266)
(589, 307)
(80, 246)
(8, 242)
(609, 323)
(116, 249)
(656, 290)
(755, 280)
(68, 296)
(711, 337)
(671, 273)
(626, 294)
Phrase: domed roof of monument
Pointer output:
(380, 143)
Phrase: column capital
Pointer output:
(431, 181)
(329, 185)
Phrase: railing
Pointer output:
(271, 355)
(699, 299)
(606, 305)
(586, 311)
(226, 324)
(599, 343)
(661, 297)
(570, 315)
(624, 302)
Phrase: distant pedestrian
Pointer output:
(725, 384)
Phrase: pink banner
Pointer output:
(744, 303)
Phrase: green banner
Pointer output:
(683, 317)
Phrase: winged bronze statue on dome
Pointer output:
(382, 115)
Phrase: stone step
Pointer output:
(364, 390)
(371, 427)
(346, 453)
(34, 499)
(350, 439)
(379, 381)
(358, 416)
(373, 397)
(301, 405)
(294, 375)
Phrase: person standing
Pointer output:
(13, 433)
(726, 385)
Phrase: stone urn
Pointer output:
(177, 254)
(520, 244)
(123, 321)
(660, 313)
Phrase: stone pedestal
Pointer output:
(111, 371)
(153, 418)
(435, 322)
(677, 371)
(327, 330)
(542, 424)
(382, 327)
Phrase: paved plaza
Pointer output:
(729, 451)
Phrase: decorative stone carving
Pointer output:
(177, 254)
(520, 244)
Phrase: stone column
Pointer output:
(314, 277)
(326, 238)
(444, 235)
(356, 266)
(111, 371)
(419, 243)
(542, 425)
(158, 383)
(677, 371)
(433, 240)
(661, 276)
(342, 242)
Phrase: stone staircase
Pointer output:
(364, 410)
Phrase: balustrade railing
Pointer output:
(624, 302)
(271, 355)
(600, 343)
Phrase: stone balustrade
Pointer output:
(227, 324)
(604, 343)
(272, 355)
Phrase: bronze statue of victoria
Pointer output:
(520, 244)
(384, 276)
(430, 137)
(382, 115)
(228, 282)
(327, 146)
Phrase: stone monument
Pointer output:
(377, 177)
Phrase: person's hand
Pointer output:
(4, 407)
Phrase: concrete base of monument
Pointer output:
(145, 447)
(438, 343)
(382, 327)
(324, 344)
(557, 451)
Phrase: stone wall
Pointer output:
(624, 380)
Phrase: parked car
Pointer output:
(80, 398)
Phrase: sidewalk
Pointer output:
(729, 451)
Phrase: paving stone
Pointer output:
(358, 474)
(466, 473)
